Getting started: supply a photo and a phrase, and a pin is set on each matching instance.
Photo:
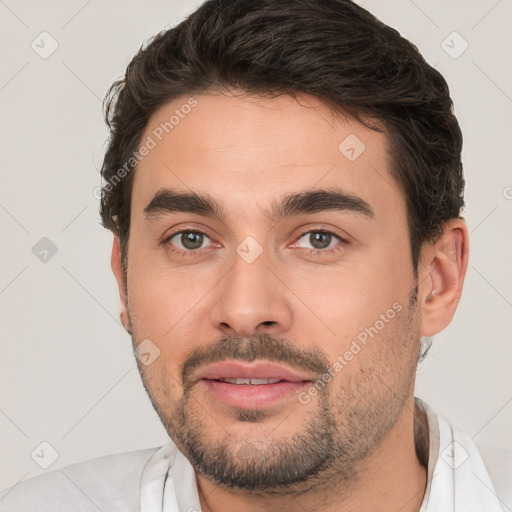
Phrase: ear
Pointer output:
(117, 269)
(441, 273)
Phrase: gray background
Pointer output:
(67, 374)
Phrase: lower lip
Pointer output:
(248, 396)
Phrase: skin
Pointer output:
(246, 153)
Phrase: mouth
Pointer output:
(251, 386)
(251, 382)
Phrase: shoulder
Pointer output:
(107, 483)
(499, 466)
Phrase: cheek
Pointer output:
(161, 296)
(167, 307)
(341, 303)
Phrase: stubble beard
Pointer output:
(354, 413)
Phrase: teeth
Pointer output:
(253, 382)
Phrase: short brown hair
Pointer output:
(332, 49)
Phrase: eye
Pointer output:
(189, 240)
(318, 240)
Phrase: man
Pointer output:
(284, 185)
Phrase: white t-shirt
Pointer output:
(163, 480)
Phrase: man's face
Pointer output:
(303, 275)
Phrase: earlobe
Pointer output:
(443, 269)
(117, 269)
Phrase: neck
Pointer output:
(393, 477)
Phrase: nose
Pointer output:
(251, 300)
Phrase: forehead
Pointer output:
(246, 151)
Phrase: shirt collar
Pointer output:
(456, 476)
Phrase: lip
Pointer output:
(248, 396)
(259, 370)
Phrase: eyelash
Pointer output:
(311, 252)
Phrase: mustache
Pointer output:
(262, 346)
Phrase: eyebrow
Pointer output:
(167, 201)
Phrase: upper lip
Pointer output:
(259, 370)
